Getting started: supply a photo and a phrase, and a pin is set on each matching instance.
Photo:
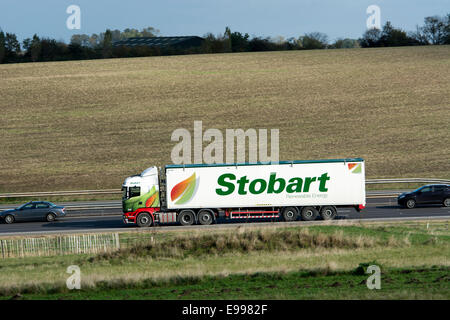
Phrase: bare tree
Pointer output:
(434, 29)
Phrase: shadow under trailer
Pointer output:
(202, 193)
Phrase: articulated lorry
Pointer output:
(203, 193)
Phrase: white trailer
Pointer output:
(203, 193)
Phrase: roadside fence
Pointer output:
(59, 245)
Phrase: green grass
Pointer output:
(260, 263)
(89, 124)
(432, 283)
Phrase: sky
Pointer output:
(287, 18)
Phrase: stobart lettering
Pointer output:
(228, 182)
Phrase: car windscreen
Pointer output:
(426, 189)
(22, 206)
(27, 206)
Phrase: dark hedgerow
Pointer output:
(436, 30)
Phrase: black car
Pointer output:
(33, 211)
(429, 194)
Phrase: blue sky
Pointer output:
(288, 18)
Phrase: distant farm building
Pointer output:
(184, 42)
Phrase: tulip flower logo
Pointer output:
(184, 190)
(355, 167)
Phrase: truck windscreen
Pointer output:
(124, 193)
(135, 192)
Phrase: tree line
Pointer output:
(435, 31)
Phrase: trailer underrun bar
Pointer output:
(252, 214)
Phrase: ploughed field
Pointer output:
(89, 124)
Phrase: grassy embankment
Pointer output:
(320, 262)
(89, 124)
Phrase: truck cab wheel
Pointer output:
(186, 217)
(328, 212)
(205, 217)
(290, 214)
(144, 220)
(309, 213)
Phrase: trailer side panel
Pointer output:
(314, 183)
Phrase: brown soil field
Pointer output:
(90, 124)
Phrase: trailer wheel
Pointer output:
(186, 217)
(328, 212)
(290, 214)
(205, 217)
(144, 220)
(309, 213)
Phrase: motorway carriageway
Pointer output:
(106, 217)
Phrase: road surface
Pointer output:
(106, 216)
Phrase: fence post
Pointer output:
(116, 235)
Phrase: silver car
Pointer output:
(33, 211)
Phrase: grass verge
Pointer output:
(430, 283)
(320, 262)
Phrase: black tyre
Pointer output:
(290, 214)
(50, 217)
(205, 217)
(9, 219)
(447, 202)
(328, 212)
(309, 213)
(144, 220)
(186, 217)
(410, 203)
